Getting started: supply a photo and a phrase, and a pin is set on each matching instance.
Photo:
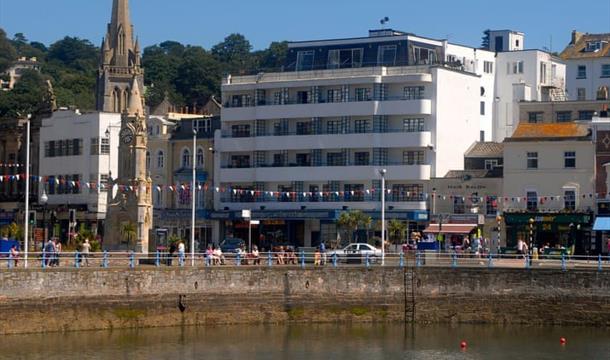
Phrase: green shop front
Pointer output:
(551, 229)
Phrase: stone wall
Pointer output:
(84, 299)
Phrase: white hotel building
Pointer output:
(297, 147)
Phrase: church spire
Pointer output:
(120, 35)
(135, 100)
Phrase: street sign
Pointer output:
(246, 214)
(255, 222)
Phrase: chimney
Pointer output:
(576, 36)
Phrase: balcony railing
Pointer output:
(320, 100)
(320, 164)
(309, 132)
(279, 197)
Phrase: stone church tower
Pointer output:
(132, 205)
(120, 62)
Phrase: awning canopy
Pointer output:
(450, 228)
(602, 224)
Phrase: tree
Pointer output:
(29, 96)
(354, 221)
(396, 230)
(234, 53)
(272, 58)
(74, 53)
(129, 232)
(8, 54)
(198, 76)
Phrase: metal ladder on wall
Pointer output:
(409, 278)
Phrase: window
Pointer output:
(240, 161)
(569, 159)
(458, 205)
(413, 93)
(582, 72)
(333, 95)
(353, 192)
(72, 147)
(361, 126)
(605, 70)
(200, 158)
(363, 94)
(488, 67)
(186, 158)
(202, 126)
(104, 179)
(563, 116)
(303, 97)
(532, 201)
(413, 125)
(569, 199)
(586, 115)
(148, 160)
(239, 131)
(335, 159)
(304, 159)
(593, 46)
(491, 164)
(305, 60)
(482, 107)
(491, 205)
(105, 146)
(279, 160)
(362, 158)
(534, 117)
(424, 55)
(602, 93)
(413, 158)
(386, 55)
(543, 73)
(532, 160)
(304, 128)
(337, 126)
(344, 58)
(581, 94)
(407, 192)
(95, 146)
(517, 67)
(160, 160)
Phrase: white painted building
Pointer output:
(76, 155)
(587, 57)
(299, 146)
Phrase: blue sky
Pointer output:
(203, 22)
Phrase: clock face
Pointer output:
(126, 135)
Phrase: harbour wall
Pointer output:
(46, 300)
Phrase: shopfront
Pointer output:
(554, 230)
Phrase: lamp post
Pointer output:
(531, 222)
(43, 200)
(499, 220)
(193, 193)
(382, 172)
(27, 193)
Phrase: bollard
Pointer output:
(76, 260)
(417, 259)
(490, 261)
(402, 260)
(599, 262)
(335, 260)
(238, 259)
(105, 260)
(158, 259)
(132, 260)
(303, 259)
(368, 261)
(10, 261)
(269, 259)
(563, 262)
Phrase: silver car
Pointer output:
(360, 250)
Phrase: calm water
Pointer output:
(339, 342)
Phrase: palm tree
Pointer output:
(396, 230)
(353, 221)
(129, 232)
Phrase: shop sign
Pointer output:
(273, 222)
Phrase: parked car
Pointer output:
(230, 245)
(358, 249)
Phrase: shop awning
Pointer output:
(602, 224)
(450, 228)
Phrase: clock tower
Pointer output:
(129, 213)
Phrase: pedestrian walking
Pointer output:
(181, 250)
(15, 255)
(85, 249)
(323, 252)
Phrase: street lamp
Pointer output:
(193, 193)
(383, 172)
(499, 220)
(43, 200)
(27, 192)
(531, 222)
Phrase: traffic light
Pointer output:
(32, 217)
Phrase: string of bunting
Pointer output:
(306, 194)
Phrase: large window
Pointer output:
(361, 126)
(605, 70)
(532, 160)
(344, 58)
(60, 148)
(240, 161)
(304, 128)
(491, 205)
(563, 116)
(160, 160)
(303, 159)
(305, 60)
(202, 126)
(335, 159)
(424, 55)
(363, 94)
(413, 92)
(239, 131)
(413, 125)
(353, 192)
(586, 115)
(569, 159)
(186, 158)
(569, 199)
(200, 158)
(535, 117)
(532, 200)
(491, 164)
(386, 55)
(333, 95)
(362, 158)
(413, 158)
(458, 205)
(407, 192)
(582, 72)
(581, 94)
